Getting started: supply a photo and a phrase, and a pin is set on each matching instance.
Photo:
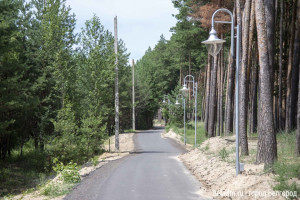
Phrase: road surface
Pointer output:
(153, 172)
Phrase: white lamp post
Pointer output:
(214, 45)
(177, 103)
(184, 90)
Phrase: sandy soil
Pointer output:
(214, 166)
(126, 146)
(171, 134)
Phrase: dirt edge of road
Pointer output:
(213, 164)
(127, 146)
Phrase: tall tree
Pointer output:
(298, 114)
(280, 125)
(243, 100)
(11, 71)
(254, 84)
(267, 144)
(298, 123)
(229, 96)
(295, 68)
(56, 38)
(207, 93)
(288, 120)
(212, 100)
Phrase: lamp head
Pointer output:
(184, 90)
(164, 101)
(213, 43)
(177, 103)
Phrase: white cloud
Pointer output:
(140, 22)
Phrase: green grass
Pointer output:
(129, 131)
(288, 165)
(20, 173)
(223, 154)
(55, 190)
(190, 132)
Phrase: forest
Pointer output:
(57, 86)
(268, 75)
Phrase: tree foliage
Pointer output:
(56, 85)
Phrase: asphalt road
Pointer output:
(152, 173)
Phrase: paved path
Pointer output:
(152, 173)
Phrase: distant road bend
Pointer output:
(152, 173)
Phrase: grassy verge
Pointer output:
(287, 167)
(33, 171)
(20, 173)
(190, 132)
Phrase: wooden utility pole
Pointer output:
(116, 88)
(133, 97)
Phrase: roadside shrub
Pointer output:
(95, 160)
(77, 142)
(69, 173)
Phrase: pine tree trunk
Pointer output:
(289, 77)
(207, 94)
(243, 98)
(203, 97)
(267, 145)
(221, 91)
(280, 69)
(270, 22)
(298, 115)
(229, 96)
(252, 67)
(212, 100)
(298, 122)
(254, 93)
(295, 69)
(251, 33)
(218, 94)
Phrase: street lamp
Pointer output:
(177, 103)
(214, 45)
(184, 90)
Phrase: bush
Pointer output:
(69, 173)
(77, 142)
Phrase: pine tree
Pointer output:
(267, 144)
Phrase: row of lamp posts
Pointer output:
(214, 45)
(185, 91)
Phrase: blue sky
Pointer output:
(140, 22)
